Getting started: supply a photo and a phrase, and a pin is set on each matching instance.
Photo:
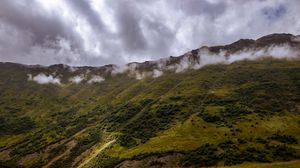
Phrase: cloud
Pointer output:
(157, 73)
(296, 39)
(92, 32)
(96, 79)
(77, 79)
(206, 57)
(85, 9)
(201, 8)
(195, 59)
(44, 79)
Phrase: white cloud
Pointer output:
(157, 73)
(44, 79)
(73, 69)
(96, 79)
(275, 51)
(296, 39)
(207, 58)
(97, 33)
(117, 69)
(77, 79)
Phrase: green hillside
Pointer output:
(204, 108)
(247, 111)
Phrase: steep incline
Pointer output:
(207, 107)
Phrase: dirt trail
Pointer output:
(70, 145)
(96, 152)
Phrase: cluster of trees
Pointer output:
(228, 116)
(61, 125)
(35, 143)
(230, 153)
(269, 96)
(205, 155)
(92, 136)
(153, 120)
(15, 125)
(120, 115)
(127, 140)
(288, 139)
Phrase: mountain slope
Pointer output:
(207, 107)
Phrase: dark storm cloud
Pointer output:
(159, 30)
(97, 32)
(274, 13)
(84, 8)
(128, 20)
(196, 7)
(26, 16)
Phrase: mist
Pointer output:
(44, 79)
(205, 57)
(187, 61)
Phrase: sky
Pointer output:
(99, 32)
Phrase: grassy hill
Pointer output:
(244, 113)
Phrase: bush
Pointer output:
(15, 125)
(282, 152)
(252, 154)
(126, 141)
(211, 118)
(284, 138)
(206, 155)
(262, 141)
(153, 120)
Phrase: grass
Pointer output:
(267, 126)
(290, 164)
(61, 111)
(214, 109)
(194, 132)
(96, 152)
(10, 139)
(183, 136)
(222, 91)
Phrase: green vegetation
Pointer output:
(231, 154)
(103, 161)
(234, 114)
(15, 125)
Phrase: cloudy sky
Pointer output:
(98, 32)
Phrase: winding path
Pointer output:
(70, 145)
(96, 152)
